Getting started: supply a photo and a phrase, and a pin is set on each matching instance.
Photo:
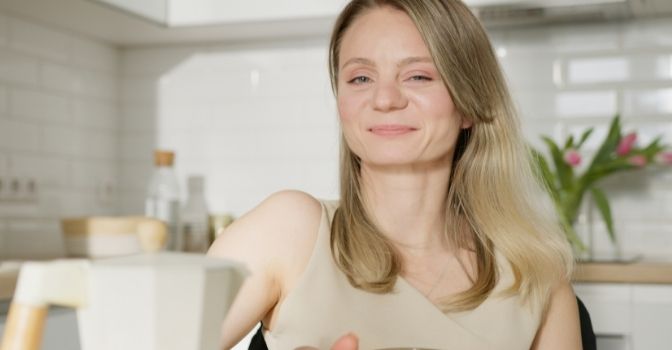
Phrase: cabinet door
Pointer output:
(608, 305)
(652, 317)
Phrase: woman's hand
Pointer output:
(346, 342)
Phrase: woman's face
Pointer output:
(393, 106)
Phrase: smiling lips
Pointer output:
(391, 130)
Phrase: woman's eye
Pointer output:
(359, 80)
(420, 78)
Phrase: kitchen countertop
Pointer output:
(645, 271)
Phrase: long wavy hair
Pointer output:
(495, 201)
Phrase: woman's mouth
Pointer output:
(391, 130)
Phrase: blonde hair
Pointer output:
(494, 202)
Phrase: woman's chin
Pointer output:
(398, 163)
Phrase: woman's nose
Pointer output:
(388, 96)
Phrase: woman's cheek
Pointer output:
(354, 98)
(346, 108)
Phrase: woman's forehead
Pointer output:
(382, 32)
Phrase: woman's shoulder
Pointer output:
(291, 210)
(280, 229)
(271, 240)
(290, 201)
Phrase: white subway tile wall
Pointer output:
(260, 117)
(254, 119)
(3, 244)
(3, 99)
(78, 116)
(4, 161)
(4, 29)
(590, 73)
(59, 127)
(597, 70)
(649, 102)
(16, 68)
(647, 35)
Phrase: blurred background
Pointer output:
(239, 91)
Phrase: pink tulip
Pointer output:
(572, 157)
(626, 143)
(638, 160)
(664, 157)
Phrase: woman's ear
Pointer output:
(466, 123)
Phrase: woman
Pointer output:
(441, 238)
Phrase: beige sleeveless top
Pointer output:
(324, 306)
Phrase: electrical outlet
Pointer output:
(106, 191)
(14, 189)
(4, 188)
(30, 193)
(18, 190)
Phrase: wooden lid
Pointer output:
(101, 225)
(164, 158)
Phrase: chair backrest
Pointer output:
(258, 342)
(587, 335)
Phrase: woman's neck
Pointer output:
(408, 203)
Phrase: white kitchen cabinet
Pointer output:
(651, 317)
(192, 21)
(176, 13)
(629, 316)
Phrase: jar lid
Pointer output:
(164, 158)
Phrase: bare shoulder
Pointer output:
(560, 328)
(273, 231)
(272, 240)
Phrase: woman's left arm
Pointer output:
(560, 329)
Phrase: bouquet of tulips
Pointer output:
(567, 185)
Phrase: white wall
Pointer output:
(253, 119)
(568, 78)
(59, 126)
(259, 117)
(77, 115)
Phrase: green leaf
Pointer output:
(570, 142)
(652, 149)
(610, 142)
(571, 234)
(564, 171)
(601, 170)
(584, 137)
(547, 175)
(603, 205)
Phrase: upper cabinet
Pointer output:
(152, 22)
(180, 13)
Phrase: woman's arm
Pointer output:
(560, 329)
(271, 241)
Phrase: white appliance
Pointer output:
(162, 301)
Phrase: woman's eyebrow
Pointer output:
(410, 60)
(360, 60)
(404, 62)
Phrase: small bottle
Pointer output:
(163, 197)
(195, 217)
